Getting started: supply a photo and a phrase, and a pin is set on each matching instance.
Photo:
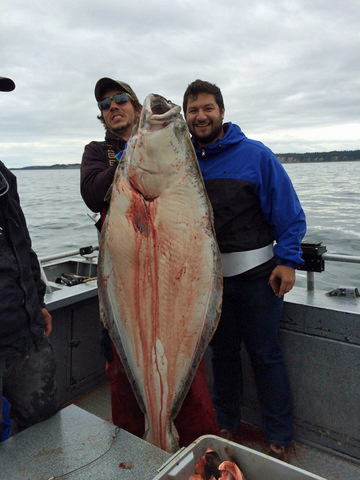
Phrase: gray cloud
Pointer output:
(289, 73)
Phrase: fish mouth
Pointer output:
(159, 105)
(160, 112)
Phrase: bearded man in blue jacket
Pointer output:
(259, 225)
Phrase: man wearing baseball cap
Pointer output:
(119, 112)
(27, 363)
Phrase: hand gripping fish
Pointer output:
(160, 276)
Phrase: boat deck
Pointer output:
(307, 457)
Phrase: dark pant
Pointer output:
(195, 418)
(28, 382)
(251, 313)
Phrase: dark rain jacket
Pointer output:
(21, 288)
(253, 199)
(97, 170)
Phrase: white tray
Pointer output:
(254, 465)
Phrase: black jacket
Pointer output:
(97, 170)
(98, 166)
(21, 288)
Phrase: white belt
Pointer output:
(235, 263)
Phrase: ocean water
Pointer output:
(56, 215)
(58, 219)
(330, 196)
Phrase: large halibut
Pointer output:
(159, 274)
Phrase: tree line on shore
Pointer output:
(336, 156)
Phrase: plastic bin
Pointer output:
(254, 465)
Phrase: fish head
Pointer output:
(158, 113)
(157, 149)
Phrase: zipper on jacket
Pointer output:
(203, 152)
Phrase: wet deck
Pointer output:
(76, 445)
(307, 457)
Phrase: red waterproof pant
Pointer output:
(196, 416)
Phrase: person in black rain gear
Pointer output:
(27, 364)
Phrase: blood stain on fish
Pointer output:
(162, 302)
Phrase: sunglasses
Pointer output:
(118, 98)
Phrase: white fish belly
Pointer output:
(160, 292)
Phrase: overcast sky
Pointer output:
(289, 70)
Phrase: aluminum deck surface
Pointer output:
(307, 457)
(76, 445)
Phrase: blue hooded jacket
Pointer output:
(253, 199)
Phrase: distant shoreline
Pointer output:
(345, 156)
(58, 166)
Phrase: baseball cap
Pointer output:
(6, 84)
(108, 83)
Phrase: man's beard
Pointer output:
(211, 137)
(123, 129)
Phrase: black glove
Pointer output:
(106, 345)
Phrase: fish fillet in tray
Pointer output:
(254, 465)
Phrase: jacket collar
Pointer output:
(233, 134)
(114, 140)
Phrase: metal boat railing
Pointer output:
(332, 257)
(341, 258)
(72, 253)
(314, 255)
(85, 252)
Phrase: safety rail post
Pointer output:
(313, 261)
(314, 257)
